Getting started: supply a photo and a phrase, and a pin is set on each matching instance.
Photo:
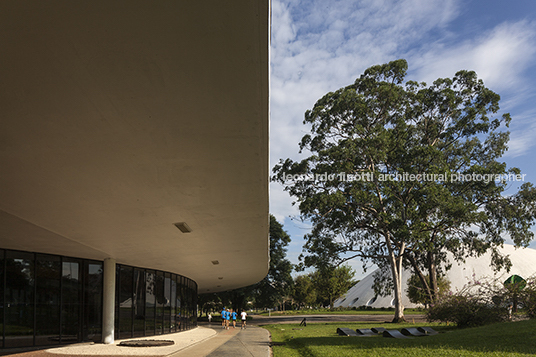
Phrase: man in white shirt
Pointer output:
(243, 315)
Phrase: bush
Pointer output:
(528, 299)
(466, 311)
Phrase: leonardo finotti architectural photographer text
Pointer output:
(369, 176)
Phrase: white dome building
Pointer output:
(523, 264)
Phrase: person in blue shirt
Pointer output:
(223, 316)
(233, 316)
(227, 318)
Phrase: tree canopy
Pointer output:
(332, 282)
(278, 282)
(305, 293)
(399, 172)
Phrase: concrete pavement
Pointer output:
(205, 340)
(251, 342)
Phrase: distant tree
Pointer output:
(277, 284)
(401, 171)
(332, 282)
(208, 303)
(270, 291)
(304, 291)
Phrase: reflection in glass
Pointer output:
(93, 301)
(71, 296)
(19, 299)
(150, 302)
(139, 302)
(159, 302)
(48, 297)
(173, 303)
(125, 301)
(167, 303)
(180, 297)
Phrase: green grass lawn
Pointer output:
(505, 339)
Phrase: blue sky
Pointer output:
(318, 46)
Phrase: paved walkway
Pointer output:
(205, 340)
(251, 342)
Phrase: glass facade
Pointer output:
(50, 300)
(150, 302)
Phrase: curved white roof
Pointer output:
(523, 264)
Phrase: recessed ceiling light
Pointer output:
(183, 227)
(215, 262)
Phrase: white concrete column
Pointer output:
(108, 301)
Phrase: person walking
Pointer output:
(223, 315)
(227, 318)
(243, 315)
(233, 317)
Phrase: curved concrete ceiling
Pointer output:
(121, 118)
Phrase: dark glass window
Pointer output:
(150, 302)
(48, 298)
(117, 298)
(125, 301)
(139, 302)
(71, 298)
(182, 310)
(93, 301)
(193, 310)
(19, 299)
(173, 302)
(159, 302)
(180, 326)
(167, 303)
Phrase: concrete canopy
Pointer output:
(121, 118)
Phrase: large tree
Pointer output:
(304, 294)
(403, 172)
(332, 282)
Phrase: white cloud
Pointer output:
(499, 57)
(320, 46)
(522, 134)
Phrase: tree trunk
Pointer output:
(396, 270)
(432, 275)
(421, 276)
